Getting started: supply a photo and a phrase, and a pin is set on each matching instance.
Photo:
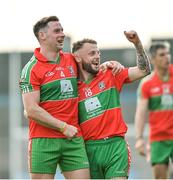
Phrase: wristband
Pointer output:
(63, 128)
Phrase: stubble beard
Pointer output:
(87, 67)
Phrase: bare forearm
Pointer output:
(42, 117)
(139, 126)
(141, 117)
(142, 59)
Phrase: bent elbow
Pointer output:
(30, 112)
(146, 72)
(25, 114)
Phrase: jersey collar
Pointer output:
(40, 56)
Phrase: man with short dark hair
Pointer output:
(155, 94)
(49, 91)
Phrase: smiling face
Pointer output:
(52, 36)
(89, 56)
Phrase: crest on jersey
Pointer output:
(101, 85)
(70, 68)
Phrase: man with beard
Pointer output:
(49, 90)
(100, 116)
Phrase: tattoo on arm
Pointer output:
(142, 59)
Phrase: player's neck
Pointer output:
(85, 76)
(163, 74)
(49, 54)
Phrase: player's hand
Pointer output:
(70, 131)
(148, 153)
(114, 65)
(132, 36)
(140, 146)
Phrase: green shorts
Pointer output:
(161, 152)
(108, 158)
(46, 153)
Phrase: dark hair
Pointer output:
(79, 44)
(42, 23)
(158, 45)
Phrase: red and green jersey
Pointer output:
(100, 113)
(160, 96)
(57, 83)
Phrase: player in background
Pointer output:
(155, 103)
(100, 115)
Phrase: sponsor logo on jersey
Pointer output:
(70, 68)
(66, 86)
(59, 68)
(155, 90)
(166, 98)
(92, 104)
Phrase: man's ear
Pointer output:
(77, 58)
(42, 35)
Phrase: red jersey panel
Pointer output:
(57, 83)
(160, 96)
(100, 113)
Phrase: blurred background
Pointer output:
(102, 20)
